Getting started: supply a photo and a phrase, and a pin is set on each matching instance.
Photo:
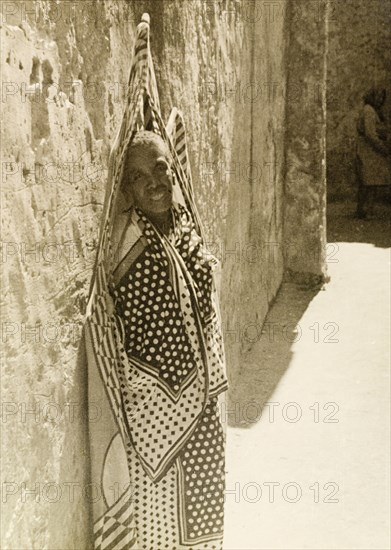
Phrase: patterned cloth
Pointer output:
(155, 355)
(184, 509)
(172, 341)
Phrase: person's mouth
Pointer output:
(158, 194)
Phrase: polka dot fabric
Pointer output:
(154, 326)
(201, 263)
(159, 317)
(202, 465)
(184, 509)
(172, 359)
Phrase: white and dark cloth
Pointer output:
(155, 355)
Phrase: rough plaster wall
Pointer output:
(305, 183)
(253, 247)
(359, 57)
(56, 144)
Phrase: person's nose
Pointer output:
(155, 180)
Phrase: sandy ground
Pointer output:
(309, 417)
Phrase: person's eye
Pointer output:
(162, 168)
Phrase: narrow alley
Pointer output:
(309, 420)
(154, 152)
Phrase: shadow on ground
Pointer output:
(342, 226)
(264, 366)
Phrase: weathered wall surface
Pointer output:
(359, 57)
(253, 245)
(305, 182)
(225, 65)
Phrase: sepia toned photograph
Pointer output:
(195, 274)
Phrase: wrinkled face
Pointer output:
(149, 178)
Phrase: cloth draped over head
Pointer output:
(121, 388)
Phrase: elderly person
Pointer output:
(164, 296)
(372, 159)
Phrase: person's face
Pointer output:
(149, 178)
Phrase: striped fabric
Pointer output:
(114, 529)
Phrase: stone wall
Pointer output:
(305, 181)
(224, 64)
(253, 245)
(359, 57)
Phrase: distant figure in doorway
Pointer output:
(373, 154)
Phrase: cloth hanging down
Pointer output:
(155, 354)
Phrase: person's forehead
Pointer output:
(147, 154)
